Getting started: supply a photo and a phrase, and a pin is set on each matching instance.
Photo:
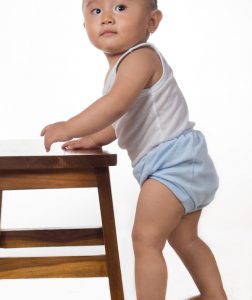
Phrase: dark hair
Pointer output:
(154, 4)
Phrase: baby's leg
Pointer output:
(158, 212)
(198, 258)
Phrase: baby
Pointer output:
(143, 107)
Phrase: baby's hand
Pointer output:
(54, 133)
(83, 143)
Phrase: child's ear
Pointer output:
(155, 19)
(84, 25)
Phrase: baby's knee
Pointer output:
(181, 242)
(144, 239)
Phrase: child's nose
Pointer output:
(107, 18)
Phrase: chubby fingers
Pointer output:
(47, 142)
(70, 145)
(66, 145)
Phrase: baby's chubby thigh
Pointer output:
(158, 213)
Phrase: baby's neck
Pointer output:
(112, 58)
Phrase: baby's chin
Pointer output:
(113, 51)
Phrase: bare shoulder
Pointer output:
(139, 70)
(143, 60)
(144, 55)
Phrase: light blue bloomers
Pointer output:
(184, 166)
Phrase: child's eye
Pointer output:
(96, 11)
(120, 7)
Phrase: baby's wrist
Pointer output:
(67, 129)
(95, 143)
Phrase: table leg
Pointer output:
(109, 233)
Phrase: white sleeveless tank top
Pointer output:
(158, 114)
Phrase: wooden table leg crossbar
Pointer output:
(107, 265)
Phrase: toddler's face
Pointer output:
(114, 26)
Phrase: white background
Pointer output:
(49, 71)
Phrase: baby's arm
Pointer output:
(134, 74)
(93, 141)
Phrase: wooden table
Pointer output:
(24, 164)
